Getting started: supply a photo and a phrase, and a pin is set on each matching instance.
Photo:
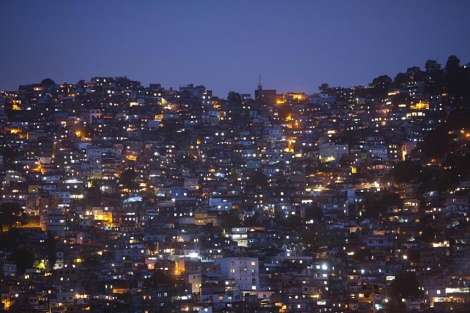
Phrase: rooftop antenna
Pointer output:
(259, 83)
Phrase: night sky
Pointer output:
(225, 45)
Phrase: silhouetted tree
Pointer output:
(47, 82)
(234, 97)
(415, 74)
(251, 221)
(439, 135)
(257, 179)
(90, 258)
(429, 234)
(381, 84)
(10, 214)
(405, 285)
(432, 66)
(292, 221)
(313, 212)
(406, 172)
(400, 80)
(453, 76)
(229, 219)
(23, 259)
(377, 203)
(51, 251)
(324, 88)
(160, 277)
(93, 194)
(362, 254)
(284, 110)
(434, 77)
(128, 179)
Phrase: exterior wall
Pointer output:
(331, 150)
(242, 271)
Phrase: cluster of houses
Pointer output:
(162, 200)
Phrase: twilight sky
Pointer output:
(225, 45)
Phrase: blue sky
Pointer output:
(225, 45)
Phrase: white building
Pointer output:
(330, 151)
(240, 271)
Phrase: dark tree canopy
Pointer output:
(381, 84)
(10, 214)
(324, 88)
(90, 258)
(377, 203)
(158, 278)
(432, 66)
(229, 219)
(405, 285)
(93, 194)
(456, 83)
(400, 80)
(415, 74)
(429, 234)
(257, 179)
(410, 172)
(292, 221)
(284, 110)
(128, 178)
(47, 82)
(234, 97)
(23, 259)
(434, 77)
(50, 246)
(453, 63)
(313, 212)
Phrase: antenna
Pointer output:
(259, 83)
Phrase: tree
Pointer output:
(234, 97)
(89, 131)
(363, 254)
(432, 66)
(324, 88)
(308, 239)
(405, 285)
(229, 219)
(439, 135)
(90, 258)
(47, 82)
(377, 203)
(453, 76)
(251, 221)
(292, 221)
(10, 214)
(453, 63)
(258, 179)
(313, 212)
(381, 84)
(23, 259)
(284, 110)
(400, 80)
(415, 74)
(160, 277)
(51, 251)
(429, 234)
(435, 77)
(10, 154)
(127, 179)
(93, 194)
(406, 172)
